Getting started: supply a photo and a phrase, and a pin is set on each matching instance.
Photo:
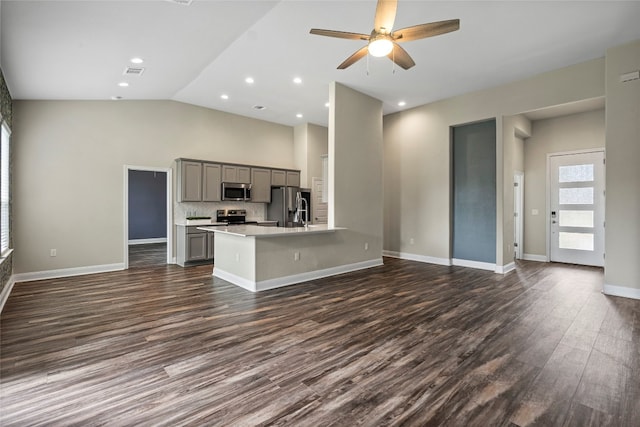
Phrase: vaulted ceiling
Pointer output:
(198, 52)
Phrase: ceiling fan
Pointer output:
(383, 41)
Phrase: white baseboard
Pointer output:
(247, 284)
(534, 257)
(279, 282)
(147, 241)
(458, 262)
(473, 264)
(67, 272)
(6, 291)
(621, 291)
(414, 257)
(504, 269)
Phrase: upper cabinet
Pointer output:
(198, 181)
(201, 181)
(293, 179)
(260, 185)
(189, 188)
(234, 173)
(278, 178)
(211, 182)
(285, 178)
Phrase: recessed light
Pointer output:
(137, 60)
(297, 80)
(249, 80)
(123, 84)
(224, 96)
(116, 98)
(402, 104)
(299, 115)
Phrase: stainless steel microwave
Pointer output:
(236, 192)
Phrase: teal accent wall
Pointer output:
(474, 192)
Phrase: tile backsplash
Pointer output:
(255, 211)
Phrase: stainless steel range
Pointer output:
(233, 216)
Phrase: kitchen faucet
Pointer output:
(300, 202)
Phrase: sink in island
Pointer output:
(258, 258)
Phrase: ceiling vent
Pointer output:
(133, 71)
(181, 2)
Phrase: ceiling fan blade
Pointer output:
(361, 53)
(426, 30)
(385, 16)
(339, 34)
(401, 57)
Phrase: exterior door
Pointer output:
(577, 208)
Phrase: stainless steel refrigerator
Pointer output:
(285, 209)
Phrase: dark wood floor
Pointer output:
(403, 344)
(147, 255)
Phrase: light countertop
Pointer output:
(210, 222)
(258, 231)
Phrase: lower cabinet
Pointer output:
(193, 245)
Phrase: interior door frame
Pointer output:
(169, 196)
(518, 178)
(548, 198)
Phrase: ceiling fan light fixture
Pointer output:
(380, 47)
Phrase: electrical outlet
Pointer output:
(296, 256)
(366, 246)
(411, 241)
(53, 252)
(237, 257)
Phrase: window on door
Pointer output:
(577, 208)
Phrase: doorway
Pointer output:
(576, 207)
(319, 207)
(151, 250)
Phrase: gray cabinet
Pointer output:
(278, 178)
(193, 245)
(211, 173)
(293, 179)
(189, 186)
(234, 173)
(281, 178)
(260, 185)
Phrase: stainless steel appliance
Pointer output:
(234, 191)
(290, 206)
(233, 216)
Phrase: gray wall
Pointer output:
(69, 168)
(147, 204)
(622, 246)
(310, 142)
(474, 195)
(416, 156)
(555, 135)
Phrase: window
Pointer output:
(4, 188)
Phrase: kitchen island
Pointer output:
(259, 258)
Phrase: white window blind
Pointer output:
(4, 189)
